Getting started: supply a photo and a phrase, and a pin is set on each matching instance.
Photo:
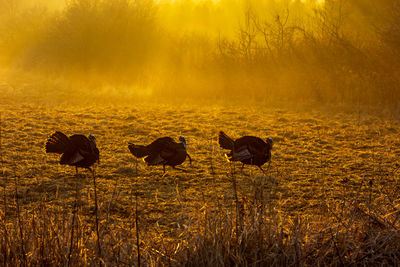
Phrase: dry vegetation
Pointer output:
(330, 197)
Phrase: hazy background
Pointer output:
(269, 51)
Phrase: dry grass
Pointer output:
(330, 198)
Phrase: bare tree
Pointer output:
(247, 34)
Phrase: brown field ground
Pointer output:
(330, 196)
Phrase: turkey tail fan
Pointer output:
(225, 141)
(57, 143)
(138, 150)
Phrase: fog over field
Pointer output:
(331, 52)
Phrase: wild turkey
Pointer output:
(249, 150)
(77, 150)
(163, 151)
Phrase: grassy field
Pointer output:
(330, 196)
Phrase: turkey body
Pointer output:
(249, 150)
(77, 150)
(163, 151)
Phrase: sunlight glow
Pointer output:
(267, 49)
